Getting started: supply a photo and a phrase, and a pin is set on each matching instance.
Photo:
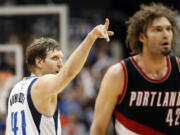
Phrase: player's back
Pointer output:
(23, 118)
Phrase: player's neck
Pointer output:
(156, 61)
(154, 67)
(38, 74)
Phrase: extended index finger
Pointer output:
(106, 24)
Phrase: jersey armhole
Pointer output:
(125, 82)
(35, 114)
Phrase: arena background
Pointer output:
(69, 27)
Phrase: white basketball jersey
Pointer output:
(23, 118)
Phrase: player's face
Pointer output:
(53, 62)
(158, 38)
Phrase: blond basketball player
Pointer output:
(32, 105)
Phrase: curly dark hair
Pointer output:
(139, 22)
(39, 49)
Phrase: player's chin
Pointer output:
(166, 51)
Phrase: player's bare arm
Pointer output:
(46, 88)
(110, 90)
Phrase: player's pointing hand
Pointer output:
(101, 31)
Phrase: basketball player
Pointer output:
(32, 105)
(142, 92)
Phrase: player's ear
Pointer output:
(141, 37)
(38, 62)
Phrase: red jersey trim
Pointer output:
(150, 79)
(136, 127)
(125, 83)
(178, 62)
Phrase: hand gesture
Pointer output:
(101, 31)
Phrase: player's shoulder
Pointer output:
(42, 83)
(176, 57)
(18, 84)
(116, 67)
(116, 70)
(44, 79)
